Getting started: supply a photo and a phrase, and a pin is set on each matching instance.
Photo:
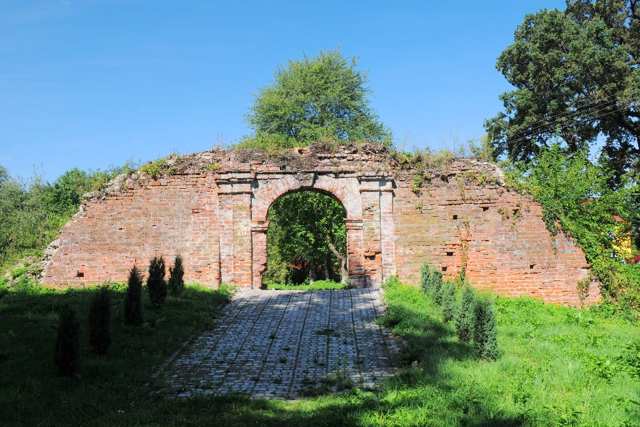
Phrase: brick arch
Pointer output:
(345, 190)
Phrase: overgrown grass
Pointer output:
(318, 285)
(558, 366)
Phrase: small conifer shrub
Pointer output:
(156, 285)
(176, 277)
(465, 319)
(100, 321)
(425, 277)
(67, 351)
(448, 302)
(436, 286)
(485, 331)
(133, 299)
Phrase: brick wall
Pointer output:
(213, 211)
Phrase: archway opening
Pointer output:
(306, 239)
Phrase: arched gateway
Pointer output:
(211, 208)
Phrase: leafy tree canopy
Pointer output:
(315, 99)
(576, 75)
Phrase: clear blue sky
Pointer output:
(94, 83)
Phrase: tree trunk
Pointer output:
(344, 273)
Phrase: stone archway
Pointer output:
(244, 201)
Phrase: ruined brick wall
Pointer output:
(212, 209)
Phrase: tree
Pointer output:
(67, 351)
(156, 285)
(133, 298)
(306, 229)
(314, 99)
(448, 302)
(100, 321)
(176, 277)
(576, 75)
(466, 315)
(485, 330)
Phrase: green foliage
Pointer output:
(100, 321)
(465, 319)
(575, 195)
(157, 168)
(67, 350)
(176, 277)
(303, 226)
(448, 302)
(133, 298)
(312, 100)
(576, 78)
(485, 334)
(32, 214)
(436, 286)
(156, 285)
(425, 277)
(318, 285)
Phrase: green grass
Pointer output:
(318, 285)
(559, 366)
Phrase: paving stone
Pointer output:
(286, 344)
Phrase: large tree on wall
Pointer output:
(314, 99)
(576, 78)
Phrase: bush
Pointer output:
(156, 285)
(425, 277)
(133, 299)
(466, 315)
(485, 331)
(100, 321)
(436, 286)
(448, 302)
(67, 351)
(176, 277)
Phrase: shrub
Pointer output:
(156, 285)
(100, 321)
(425, 277)
(448, 302)
(466, 315)
(436, 286)
(485, 331)
(133, 299)
(67, 351)
(176, 277)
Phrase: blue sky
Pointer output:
(96, 83)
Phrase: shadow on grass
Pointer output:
(115, 390)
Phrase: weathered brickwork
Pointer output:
(212, 208)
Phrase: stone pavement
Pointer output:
(285, 344)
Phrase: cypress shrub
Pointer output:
(67, 351)
(436, 286)
(176, 277)
(156, 285)
(448, 302)
(466, 315)
(485, 331)
(100, 321)
(133, 299)
(425, 277)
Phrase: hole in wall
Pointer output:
(455, 217)
(80, 274)
(516, 211)
(449, 253)
(444, 268)
(531, 266)
(485, 208)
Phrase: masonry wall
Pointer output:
(169, 216)
(497, 236)
(212, 209)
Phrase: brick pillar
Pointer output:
(355, 266)
(234, 213)
(259, 253)
(387, 231)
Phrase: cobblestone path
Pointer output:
(284, 344)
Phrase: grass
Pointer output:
(559, 366)
(318, 285)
